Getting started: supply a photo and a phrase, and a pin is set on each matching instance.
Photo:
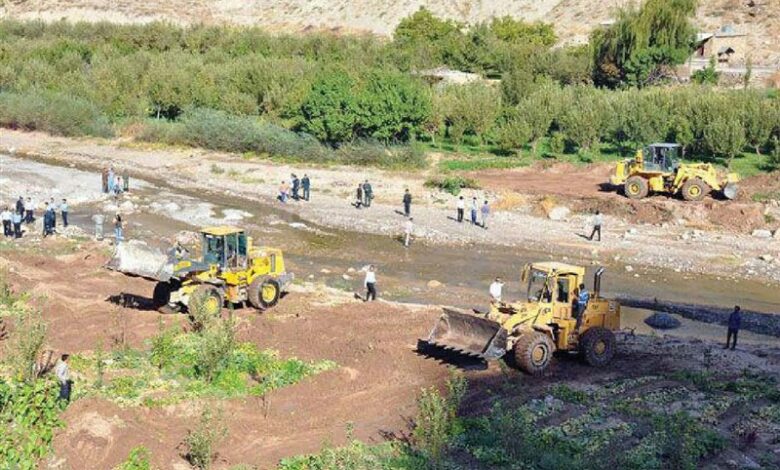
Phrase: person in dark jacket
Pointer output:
(296, 186)
(306, 185)
(368, 194)
(407, 202)
(20, 206)
(735, 321)
(48, 226)
(359, 196)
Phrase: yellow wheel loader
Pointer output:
(657, 168)
(532, 330)
(229, 269)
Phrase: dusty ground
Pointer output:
(374, 387)
(573, 19)
(695, 238)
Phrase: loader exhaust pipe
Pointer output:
(597, 282)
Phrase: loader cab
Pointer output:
(227, 247)
(661, 158)
(553, 285)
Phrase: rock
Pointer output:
(777, 234)
(127, 206)
(433, 284)
(768, 258)
(172, 207)
(351, 270)
(325, 271)
(113, 208)
(629, 268)
(762, 233)
(632, 231)
(662, 321)
(559, 213)
(346, 277)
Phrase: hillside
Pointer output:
(573, 19)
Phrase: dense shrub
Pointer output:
(51, 112)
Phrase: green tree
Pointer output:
(511, 30)
(760, 116)
(391, 107)
(706, 76)
(584, 119)
(724, 135)
(330, 109)
(642, 42)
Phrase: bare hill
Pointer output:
(573, 19)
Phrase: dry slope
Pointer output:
(573, 19)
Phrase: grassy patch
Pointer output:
(135, 377)
(451, 184)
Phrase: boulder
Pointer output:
(767, 257)
(433, 284)
(559, 213)
(777, 234)
(662, 321)
(762, 233)
(629, 268)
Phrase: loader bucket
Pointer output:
(136, 258)
(730, 191)
(468, 334)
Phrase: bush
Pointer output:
(52, 112)
(23, 348)
(452, 184)
(437, 422)
(706, 76)
(138, 459)
(215, 349)
(201, 441)
(557, 143)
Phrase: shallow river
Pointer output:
(324, 254)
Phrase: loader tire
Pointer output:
(533, 352)
(635, 187)
(162, 294)
(207, 299)
(598, 346)
(264, 293)
(695, 189)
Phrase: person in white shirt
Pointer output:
(461, 208)
(63, 377)
(496, 289)
(598, 220)
(29, 208)
(6, 216)
(370, 283)
(64, 211)
(16, 220)
(408, 229)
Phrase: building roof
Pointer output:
(726, 50)
(728, 31)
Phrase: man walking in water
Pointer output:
(735, 322)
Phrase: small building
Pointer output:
(726, 45)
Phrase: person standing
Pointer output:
(20, 205)
(370, 283)
(63, 377)
(474, 211)
(7, 217)
(16, 218)
(296, 186)
(98, 219)
(496, 289)
(408, 229)
(125, 181)
(735, 322)
(598, 220)
(407, 202)
(118, 185)
(485, 210)
(119, 227)
(461, 208)
(111, 180)
(359, 196)
(104, 180)
(64, 210)
(583, 297)
(46, 219)
(53, 209)
(368, 194)
(306, 185)
(29, 208)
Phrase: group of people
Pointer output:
(477, 212)
(24, 212)
(364, 195)
(296, 188)
(114, 183)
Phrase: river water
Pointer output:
(325, 255)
